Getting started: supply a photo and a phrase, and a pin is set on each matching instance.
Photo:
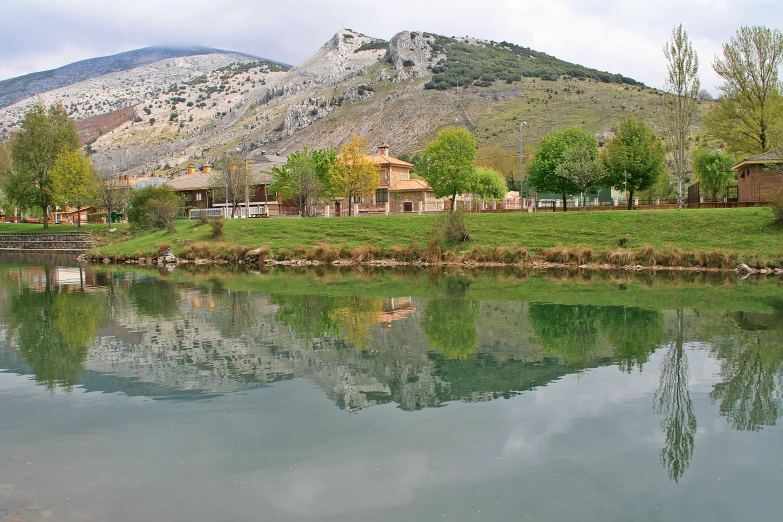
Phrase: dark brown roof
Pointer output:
(771, 156)
(259, 175)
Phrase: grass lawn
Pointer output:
(749, 232)
(37, 228)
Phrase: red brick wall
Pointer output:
(756, 180)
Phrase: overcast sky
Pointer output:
(620, 36)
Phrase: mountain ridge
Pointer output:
(19, 88)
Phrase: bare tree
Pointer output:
(679, 102)
(231, 180)
(113, 192)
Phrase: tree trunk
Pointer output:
(79, 217)
(453, 203)
(350, 206)
(584, 199)
(565, 203)
(630, 200)
(45, 209)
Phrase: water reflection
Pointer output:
(414, 340)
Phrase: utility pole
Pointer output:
(521, 165)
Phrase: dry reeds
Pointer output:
(433, 253)
(198, 250)
(365, 253)
(324, 252)
(161, 248)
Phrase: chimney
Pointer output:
(191, 169)
(383, 149)
(233, 167)
(206, 169)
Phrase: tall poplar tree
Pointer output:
(748, 118)
(45, 135)
(679, 102)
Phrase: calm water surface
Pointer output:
(320, 395)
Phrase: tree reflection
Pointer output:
(565, 331)
(450, 327)
(53, 330)
(634, 333)
(315, 316)
(750, 395)
(154, 298)
(673, 403)
(234, 313)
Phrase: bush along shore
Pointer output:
(722, 239)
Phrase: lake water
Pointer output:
(216, 394)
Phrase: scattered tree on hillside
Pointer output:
(545, 173)
(679, 102)
(304, 178)
(231, 179)
(580, 164)
(75, 181)
(713, 170)
(447, 163)
(353, 176)
(634, 158)
(45, 135)
(748, 118)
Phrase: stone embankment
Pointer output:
(43, 243)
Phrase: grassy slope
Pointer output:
(747, 232)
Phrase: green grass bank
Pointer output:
(717, 238)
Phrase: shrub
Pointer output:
(152, 207)
(433, 252)
(775, 200)
(217, 227)
(556, 254)
(453, 227)
(364, 253)
(324, 252)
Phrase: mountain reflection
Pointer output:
(452, 338)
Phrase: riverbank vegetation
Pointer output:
(717, 238)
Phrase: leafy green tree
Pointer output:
(352, 175)
(450, 327)
(489, 184)
(748, 118)
(713, 170)
(543, 174)
(580, 165)
(447, 163)
(679, 101)
(44, 136)
(304, 177)
(152, 207)
(75, 181)
(634, 158)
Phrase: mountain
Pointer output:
(402, 91)
(22, 87)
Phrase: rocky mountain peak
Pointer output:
(411, 54)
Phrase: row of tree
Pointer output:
(447, 164)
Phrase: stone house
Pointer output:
(758, 175)
(397, 192)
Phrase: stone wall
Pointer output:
(64, 242)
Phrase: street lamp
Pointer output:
(521, 169)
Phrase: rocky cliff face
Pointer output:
(193, 108)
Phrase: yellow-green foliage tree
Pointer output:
(45, 135)
(75, 181)
(748, 118)
(352, 175)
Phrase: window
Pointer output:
(407, 206)
(382, 195)
(198, 196)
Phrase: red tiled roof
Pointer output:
(381, 159)
(411, 184)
